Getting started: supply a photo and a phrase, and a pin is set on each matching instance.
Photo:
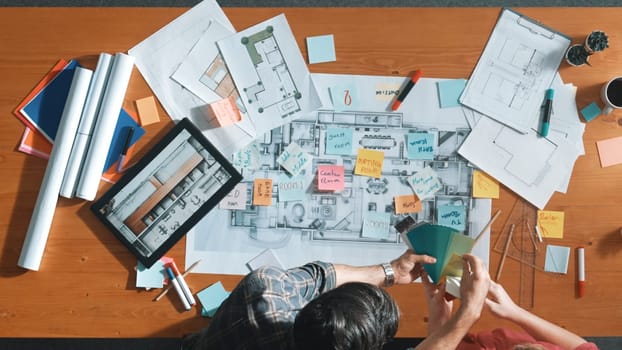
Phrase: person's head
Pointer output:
(351, 316)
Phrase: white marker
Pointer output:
(173, 281)
(182, 283)
(581, 270)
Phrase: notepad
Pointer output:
(321, 48)
(556, 259)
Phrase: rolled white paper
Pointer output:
(111, 104)
(43, 213)
(85, 129)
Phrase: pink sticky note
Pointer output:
(225, 111)
(609, 151)
(330, 178)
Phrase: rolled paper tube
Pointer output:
(43, 213)
(107, 118)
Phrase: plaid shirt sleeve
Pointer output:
(260, 312)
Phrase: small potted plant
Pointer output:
(577, 55)
(596, 41)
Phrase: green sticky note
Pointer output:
(339, 141)
(321, 48)
(453, 216)
(376, 225)
(449, 92)
(420, 145)
(556, 259)
(591, 111)
(152, 277)
(211, 298)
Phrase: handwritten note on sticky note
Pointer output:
(425, 183)
(369, 163)
(551, 223)
(386, 91)
(420, 145)
(152, 277)
(225, 112)
(248, 157)
(344, 97)
(262, 192)
(212, 297)
(236, 199)
(407, 204)
(376, 225)
(453, 216)
(147, 111)
(294, 159)
(291, 188)
(330, 178)
(449, 92)
(609, 151)
(339, 141)
(484, 186)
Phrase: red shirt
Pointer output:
(506, 339)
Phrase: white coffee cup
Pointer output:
(611, 94)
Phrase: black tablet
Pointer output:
(167, 192)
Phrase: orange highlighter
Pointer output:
(581, 271)
(409, 85)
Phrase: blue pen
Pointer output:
(548, 106)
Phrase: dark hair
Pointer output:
(351, 316)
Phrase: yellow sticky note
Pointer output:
(262, 192)
(406, 204)
(147, 111)
(369, 163)
(551, 223)
(225, 111)
(484, 186)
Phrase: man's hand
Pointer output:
(409, 266)
(438, 307)
(474, 285)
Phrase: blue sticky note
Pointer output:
(449, 92)
(591, 111)
(152, 277)
(339, 141)
(556, 259)
(420, 145)
(344, 97)
(211, 298)
(376, 225)
(453, 216)
(321, 48)
(291, 188)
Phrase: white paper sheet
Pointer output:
(270, 74)
(43, 212)
(159, 55)
(516, 67)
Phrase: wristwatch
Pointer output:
(389, 275)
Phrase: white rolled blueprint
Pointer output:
(87, 122)
(111, 104)
(43, 213)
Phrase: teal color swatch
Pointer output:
(449, 92)
(339, 141)
(420, 145)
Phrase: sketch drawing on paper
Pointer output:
(275, 91)
(218, 79)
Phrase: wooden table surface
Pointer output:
(85, 287)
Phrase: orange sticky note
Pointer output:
(147, 111)
(609, 151)
(551, 223)
(262, 192)
(369, 163)
(225, 111)
(406, 204)
(330, 178)
(484, 186)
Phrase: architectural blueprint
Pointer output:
(270, 74)
(325, 225)
(516, 67)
